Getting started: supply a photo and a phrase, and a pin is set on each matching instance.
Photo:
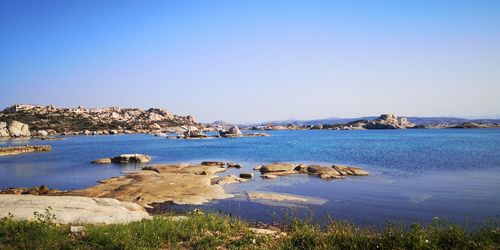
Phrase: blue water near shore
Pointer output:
(416, 174)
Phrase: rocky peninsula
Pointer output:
(37, 120)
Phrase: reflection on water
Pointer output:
(416, 174)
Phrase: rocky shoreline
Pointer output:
(185, 183)
(181, 184)
(42, 121)
(14, 150)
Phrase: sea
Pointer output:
(416, 175)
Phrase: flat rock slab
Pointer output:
(179, 183)
(72, 209)
(14, 150)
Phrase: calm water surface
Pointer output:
(416, 174)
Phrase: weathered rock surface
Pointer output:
(324, 172)
(14, 150)
(348, 170)
(277, 167)
(178, 183)
(14, 129)
(71, 209)
(19, 129)
(4, 132)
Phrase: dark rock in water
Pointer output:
(233, 165)
(246, 176)
(213, 163)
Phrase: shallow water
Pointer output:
(416, 174)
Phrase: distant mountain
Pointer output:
(414, 119)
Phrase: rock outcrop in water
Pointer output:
(14, 150)
(50, 120)
(124, 158)
(274, 170)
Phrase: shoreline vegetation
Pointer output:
(197, 230)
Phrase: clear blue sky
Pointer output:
(258, 60)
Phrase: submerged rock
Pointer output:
(102, 161)
(285, 198)
(230, 179)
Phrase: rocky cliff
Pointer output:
(26, 120)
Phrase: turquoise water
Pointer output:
(416, 174)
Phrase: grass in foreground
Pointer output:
(221, 232)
